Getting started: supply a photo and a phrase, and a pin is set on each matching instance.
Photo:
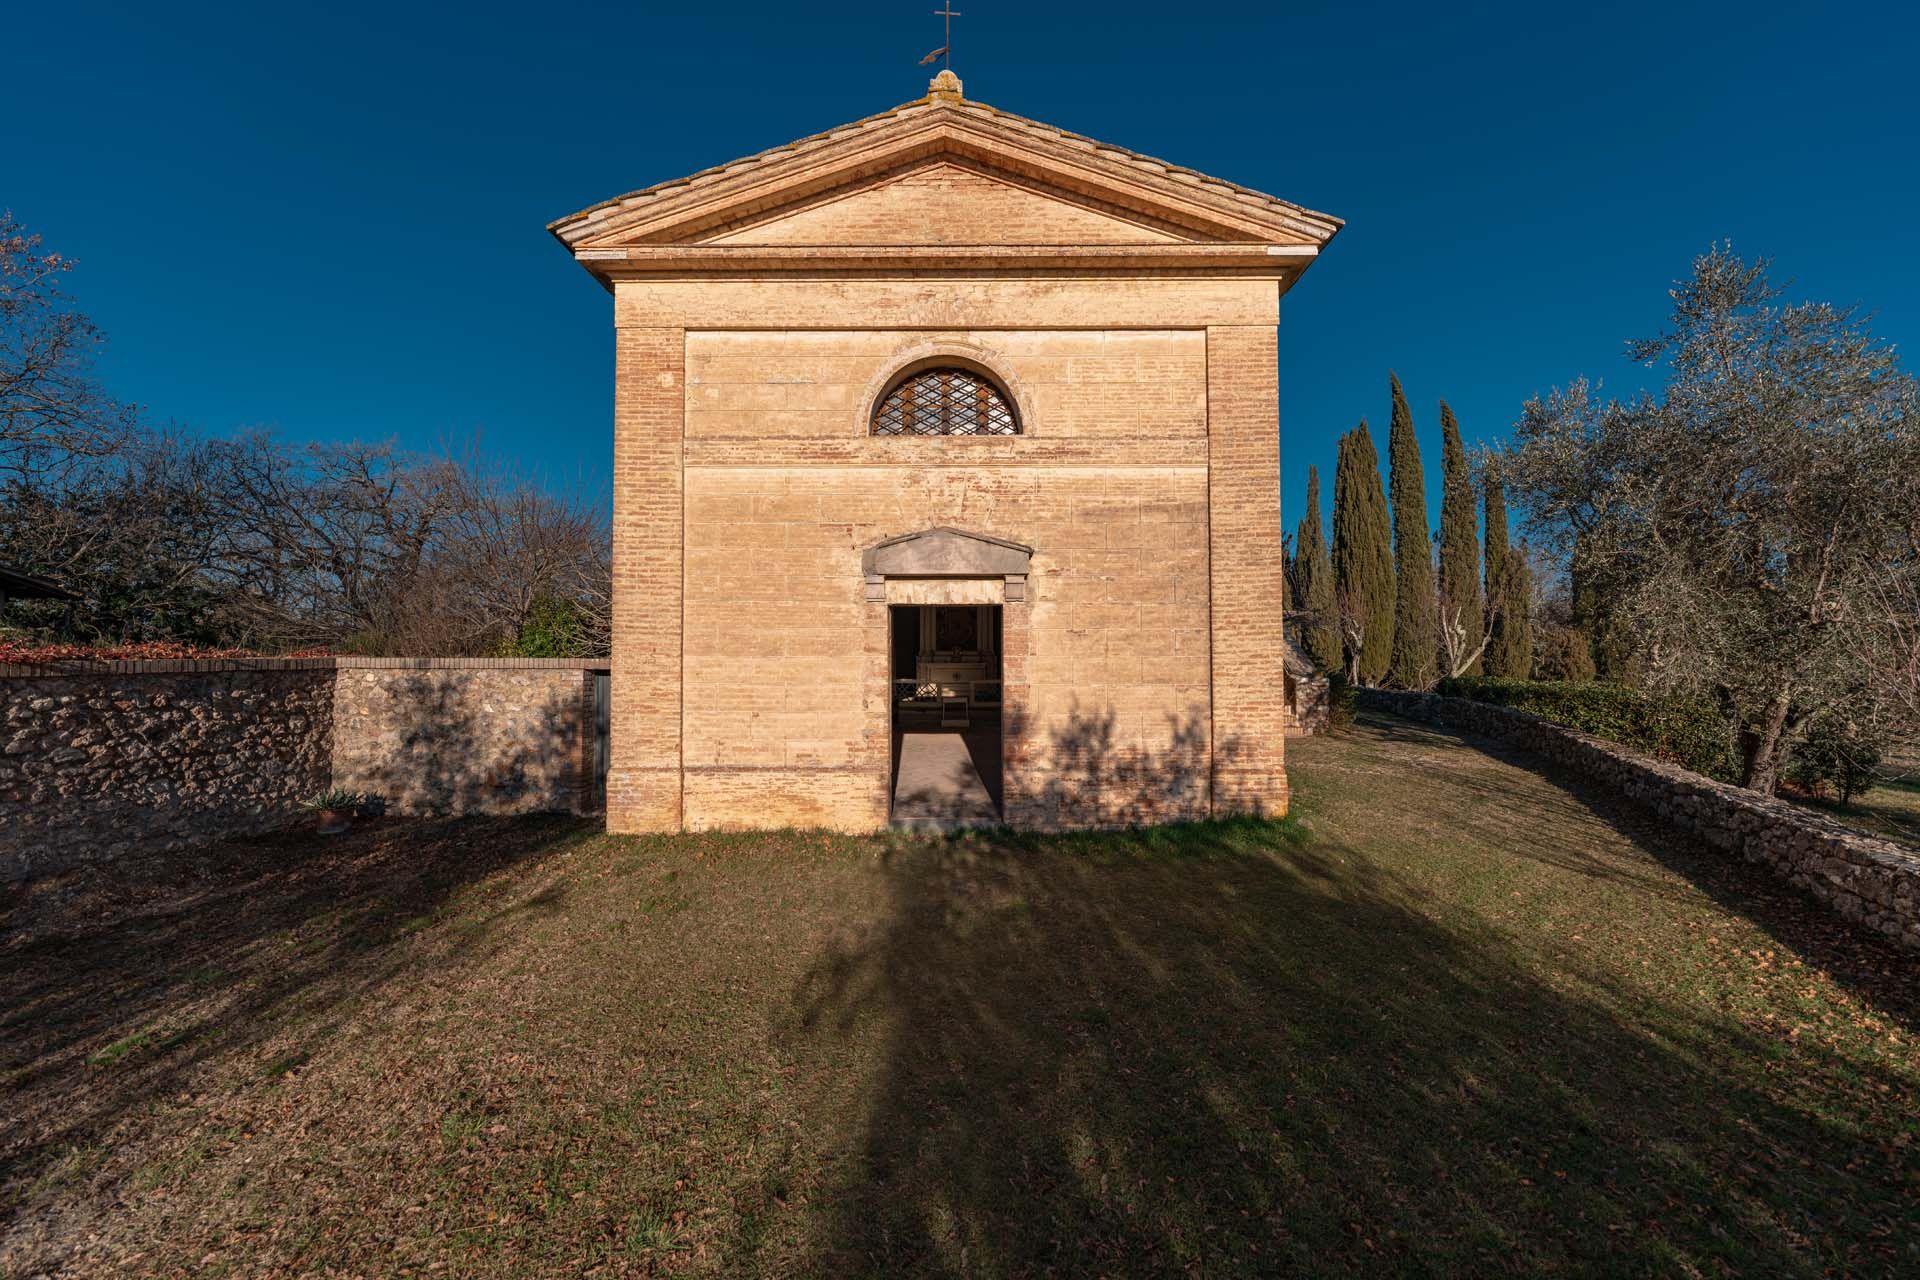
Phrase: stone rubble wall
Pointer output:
(1309, 705)
(1870, 881)
(101, 760)
(93, 767)
(455, 741)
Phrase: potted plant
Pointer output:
(336, 807)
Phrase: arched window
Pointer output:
(945, 401)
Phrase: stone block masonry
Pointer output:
(101, 760)
(751, 687)
(1870, 881)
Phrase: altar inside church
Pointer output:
(946, 664)
(946, 672)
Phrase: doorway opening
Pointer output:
(944, 665)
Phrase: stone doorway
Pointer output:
(947, 706)
(952, 753)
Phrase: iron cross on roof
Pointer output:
(948, 12)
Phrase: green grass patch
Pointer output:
(1448, 1018)
(150, 1042)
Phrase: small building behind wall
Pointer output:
(872, 371)
(15, 585)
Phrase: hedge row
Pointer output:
(1690, 734)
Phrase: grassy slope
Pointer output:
(1891, 809)
(1448, 1017)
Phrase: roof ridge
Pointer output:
(1141, 158)
(932, 104)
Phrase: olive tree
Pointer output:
(1757, 520)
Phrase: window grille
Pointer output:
(944, 402)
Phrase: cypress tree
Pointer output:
(1608, 643)
(1499, 655)
(1459, 544)
(1363, 555)
(1313, 581)
(1516, 641)
(1415, 642)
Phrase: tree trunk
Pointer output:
(1760, 747)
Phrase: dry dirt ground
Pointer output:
(1451, 1017)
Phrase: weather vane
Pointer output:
(948, 12)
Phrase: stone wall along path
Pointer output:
(1870, 881)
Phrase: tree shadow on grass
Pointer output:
(1233, 1048)
(121, 982)
(1879, 971)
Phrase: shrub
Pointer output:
(1690, 734)
(1340, 704)
(1563, 654)
(553, 628)
(1834, 756)
(20, 650)
(333, 798)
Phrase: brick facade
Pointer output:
(762, 308)
(644, 764)
(1243, 532)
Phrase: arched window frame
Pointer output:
(945, 359)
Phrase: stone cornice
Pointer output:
(1227, 223)
(1279, 261)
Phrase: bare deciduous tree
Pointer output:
(136, 534)
(359, 545)
(52, 412)
(1353, 615)
(325, 542)
(1463, 635)
(255, 542)
(510, 547)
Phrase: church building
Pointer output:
(946, 482)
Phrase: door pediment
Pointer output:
(946, 553)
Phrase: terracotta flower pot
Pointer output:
(334, 822)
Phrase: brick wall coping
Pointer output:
(212, 666)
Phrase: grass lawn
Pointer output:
(1449, 1017)
(1891, 810)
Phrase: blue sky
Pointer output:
(329, 219)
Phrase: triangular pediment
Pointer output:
(946, 201)
(939, 175)
(943, 552)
